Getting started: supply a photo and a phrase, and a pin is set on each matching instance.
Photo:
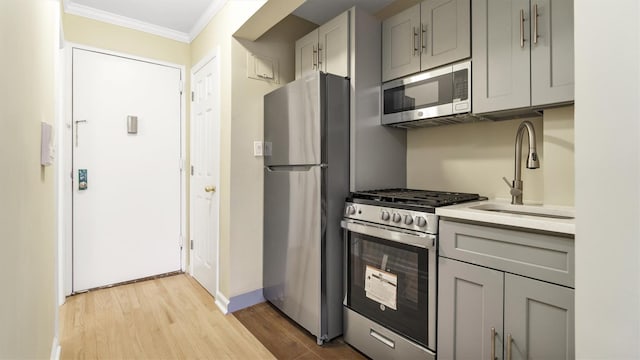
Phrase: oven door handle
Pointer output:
(408, 237)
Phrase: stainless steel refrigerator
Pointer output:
(306, 180)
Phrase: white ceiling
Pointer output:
(320, 11)
(182, 20)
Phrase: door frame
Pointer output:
(215, 53)
(65, 161)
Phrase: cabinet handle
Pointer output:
(493, 343)
(509, 347)
(521, 28)
(424, 38)
(319, 56)
(314, 58)
(415, 41)
(535, 24)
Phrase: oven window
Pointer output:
(430, 92)
(387, 283)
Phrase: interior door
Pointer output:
(205, 134)
(127, 194)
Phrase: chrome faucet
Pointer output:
(532, 161)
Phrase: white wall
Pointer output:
(607, 130)
(28, 44)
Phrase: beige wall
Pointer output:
(241, 123)
(247, 126)
(474, 158)
(29, 34)
(106, 36)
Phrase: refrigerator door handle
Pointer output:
(287, 168)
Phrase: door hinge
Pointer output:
(191, 169)
(191, 247)
(192, 96)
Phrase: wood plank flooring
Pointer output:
(286, 339)
(166, 318)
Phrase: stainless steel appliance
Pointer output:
(306, 179)
(435, 97)
(391, 271)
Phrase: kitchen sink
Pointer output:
(527, 210)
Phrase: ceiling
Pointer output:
(182, 20)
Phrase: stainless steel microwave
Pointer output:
(433, 94)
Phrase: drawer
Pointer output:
(539, 256)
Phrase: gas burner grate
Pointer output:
(427, 198)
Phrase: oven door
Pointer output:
(391, 278)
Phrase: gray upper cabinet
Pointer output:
(446, 26)
(491, 298)
(518, 61)
(427, 35)
(552, 52)
(325, 49)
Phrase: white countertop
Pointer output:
(469, 211)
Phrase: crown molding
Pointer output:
(105, 16)
(206, 17)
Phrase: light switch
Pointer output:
(257, 148)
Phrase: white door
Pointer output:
(205, 135)
(126, 222)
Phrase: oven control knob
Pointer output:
(350, 210)
(420, 221)
(396, 217)
(385, 216)
(408, 219)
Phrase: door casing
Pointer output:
(64, 130)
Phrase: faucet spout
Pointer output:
(532, 160)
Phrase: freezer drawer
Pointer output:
(293, 122)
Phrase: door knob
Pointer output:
(210, 188)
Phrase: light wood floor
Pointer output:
(166, 318)
(287, 340)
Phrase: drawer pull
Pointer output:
(390, 343)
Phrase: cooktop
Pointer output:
(411, 198)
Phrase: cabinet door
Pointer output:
(446, 32)
(333, 45)
(469, 306)
(401, 44)
(306, 54)
(501, 65)
(540, 318)
(552, 51)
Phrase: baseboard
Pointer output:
(245, 300)
(55, 349)
(239, 302)
(222, 302)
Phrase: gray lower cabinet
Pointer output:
(485, 311)
(469, 306)
(522, 54)
(538, 318)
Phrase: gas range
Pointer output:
(409, 209)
